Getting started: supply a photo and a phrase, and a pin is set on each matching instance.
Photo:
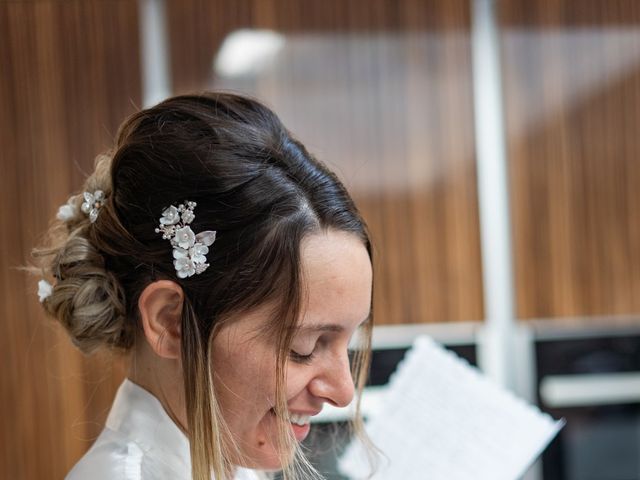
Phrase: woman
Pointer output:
(233, 269)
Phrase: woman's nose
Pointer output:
(335, 383)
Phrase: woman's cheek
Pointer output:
(297, 378)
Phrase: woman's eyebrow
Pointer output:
(323, 327)
(329, 327)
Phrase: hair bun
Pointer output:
(88, 299)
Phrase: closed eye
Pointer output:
(300, 358)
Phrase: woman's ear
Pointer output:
(160, 305)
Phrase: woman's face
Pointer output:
(338, 278)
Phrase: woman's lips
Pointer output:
(300, 424)
(300, 431)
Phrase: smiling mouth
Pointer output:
(299, 419)
(296, 418)
(300, 424)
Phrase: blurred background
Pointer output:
(492, 147)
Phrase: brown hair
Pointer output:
(254, 184)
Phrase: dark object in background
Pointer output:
(599, 442)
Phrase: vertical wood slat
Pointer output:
(380, 91)
(69, 76)
(572, 85)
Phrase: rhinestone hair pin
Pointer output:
(92, 204)
(189, 249)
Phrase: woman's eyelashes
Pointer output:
(313, 345)
(300, 358)
(298, 353)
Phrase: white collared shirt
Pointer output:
(139, 442)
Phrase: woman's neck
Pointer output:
(161, 377)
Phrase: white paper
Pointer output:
(441, 419)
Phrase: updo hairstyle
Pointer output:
(253, 183)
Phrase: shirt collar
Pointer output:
(139, 416)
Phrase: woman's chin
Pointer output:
(266, 458)
(264, 453)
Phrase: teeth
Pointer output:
(299, 419)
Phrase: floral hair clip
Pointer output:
(189, 249)
(92, 203)
(45, 289)
(67, 212)
(90, 206)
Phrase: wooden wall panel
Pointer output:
(572, 86)
(69, 76)
(381, 91)
(198, 27)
